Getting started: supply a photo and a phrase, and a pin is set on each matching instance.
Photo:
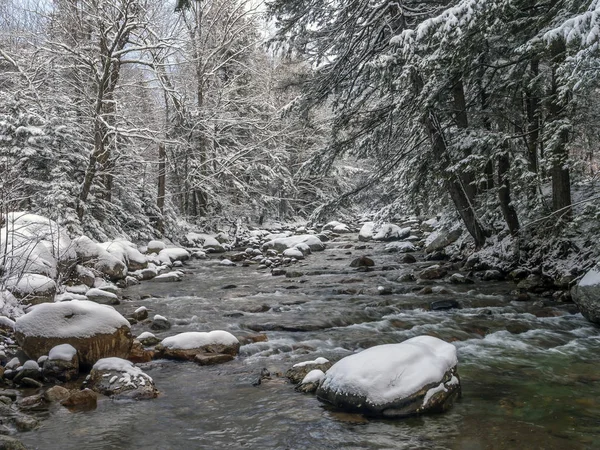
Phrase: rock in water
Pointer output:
(95, 331)
(299, 371)
(119, 378)
(416, 376)
(205, 348)
(586, 295)
(62, 363)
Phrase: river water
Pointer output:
(529, 372)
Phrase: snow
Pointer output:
(197, 339)
(282, 244)
(31, 365)
(314, 376)
(9, 305)
(74, 318)
(145, 335)
(159, 317)
(387, 372)
(30, 283)
(124, 251)
(156, 245)
(591, 278)
(390, 231)
(173, 254)
(13, 364)
(101, 294)
(62, 352)
(319, 360)
(400, 247)
(226, 262)
(130, 373)
(293, 253)
(140, 309)
(5, 322)
(366, 231)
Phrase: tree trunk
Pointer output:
(453, 184)
(508, 211)
(561, 180)
(532, 103)
(462, 121)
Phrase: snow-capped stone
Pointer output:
(96, 257)
(282, 244)
(127, 253)
(95, 330)
(30, 243)
(205, 348)
(206, 241)
(101, 296)
(336, 227)
(83, 275)
(145, 274)
(312, 380)
(226, 262)
(32, 288)
(62, 363)
(140, 314)
(399, 247)
(6, 324)
(299, 371)
(175, 275)
(148, 339)
(395, 380)
(391, 232)
(119, 378)
(586, 295)
(168, 255)
(9, 306)
(160, 323)
(429, 225)
(366, 231)
(293, 253)
(440, 239)
(155, 246)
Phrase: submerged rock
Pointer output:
(416, 376)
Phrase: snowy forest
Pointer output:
(139, 139)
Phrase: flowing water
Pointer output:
(529, 372)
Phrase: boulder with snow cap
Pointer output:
(169, 255)
(586, 295)
(94, 256)
(95, 331)
(299, 371)
(366, 231)
(206, 241)
(156, 246)
(417, 376)
(390, 232)
(62, 363)
(281, 244)
(101, 296)
(440, 239)
(127, 253)
(120, 379)
(31, 288)
(204, 348)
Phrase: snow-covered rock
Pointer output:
(293, 253)
(127, 253)
(282, 244)
(168, 255)
(336, 227)
(204, 348)
(400, 247)
(34, 244)
(206, 241)
(440, 239)
(586, 295)
(366, 231)
(101, 296)
(62, 363)
(175, 275)
(429, 225)
(32, 288)
(299, 371)
(119, 378)
(95, 330)
(156, 246)
(395, 380)
(390, 232)
(10, 305)
(311, 382)
(94, 256)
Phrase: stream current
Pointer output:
(529, 372)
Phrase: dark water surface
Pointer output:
(530, 374)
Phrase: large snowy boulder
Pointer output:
(205, 241)
(282, 244)
(366, 231)
(34, 244)
(395, 380)
(95, 331)
(170, 255)
(120, 379)
(155, 246)
(586, 295)
(399, 247)
(94, 256)
(204, 348)
(127, 253)
(440, 239)
(336, 227)
(32, 288)
(390, 232)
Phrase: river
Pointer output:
(529, 371)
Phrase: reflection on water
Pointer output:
(529, 374)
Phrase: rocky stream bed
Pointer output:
(528, 368)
